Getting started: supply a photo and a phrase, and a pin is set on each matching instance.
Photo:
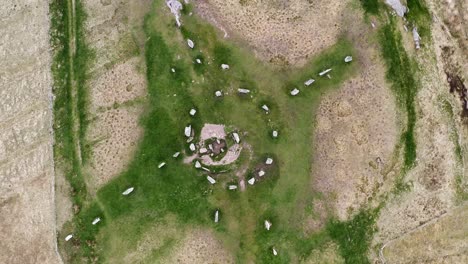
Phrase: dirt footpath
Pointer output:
(27, 217)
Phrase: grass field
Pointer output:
(178, 197)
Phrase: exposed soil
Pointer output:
(200, 247)
(356, 131)
(284, 32)
(27, 211)
(117, 85)
(217, 131)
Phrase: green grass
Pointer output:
(69, 70)
(64, 149)
(370, 6)
(420, 16)
(401, 74)
(354, 236)
(82, 60)
(182, 191)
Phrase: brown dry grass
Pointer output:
(357, 130)
(283, 31)
(118, 84)
(441, 242)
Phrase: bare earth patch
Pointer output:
(117, 86)
(27, 211)
(283, 31)
(201, 247)
(356, 131)
(115, 133)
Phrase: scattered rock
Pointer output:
(325, 72)
(128, 191)
(190, 43)
(211, 180)
(251, 181)
(295, 92)
(309, 82)
(96, 220)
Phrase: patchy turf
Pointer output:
(183, 192)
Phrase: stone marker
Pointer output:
(197, 164)
(348, 59)
(211, 180)
(188, 131)
(325, 72)
(251, 181)
(192, 147)
(175, 7)
(190, 43)
(265, 107)
(128, 191)
(216, 218)
(309, 82)
(224, 66)
(269, 161)
(416, 38)
(176, 154)
(295, 92)
(172, 70)
(399, 8)
(243, 91)
(218, 93)
(203, 150)
(198, 61)
(275, 252)
(261, 173)
(68, 237)
(267, 225)
(192, 112)
(275, 134)
(162, 164)
(96, 220)
(232, 187)
(236, 137)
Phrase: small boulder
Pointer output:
(190, 43)
(211, 180)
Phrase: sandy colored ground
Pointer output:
(117, 85)
(441, 242)
(279, 31)
(201, 247)
(356, 130)
(27, 217)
